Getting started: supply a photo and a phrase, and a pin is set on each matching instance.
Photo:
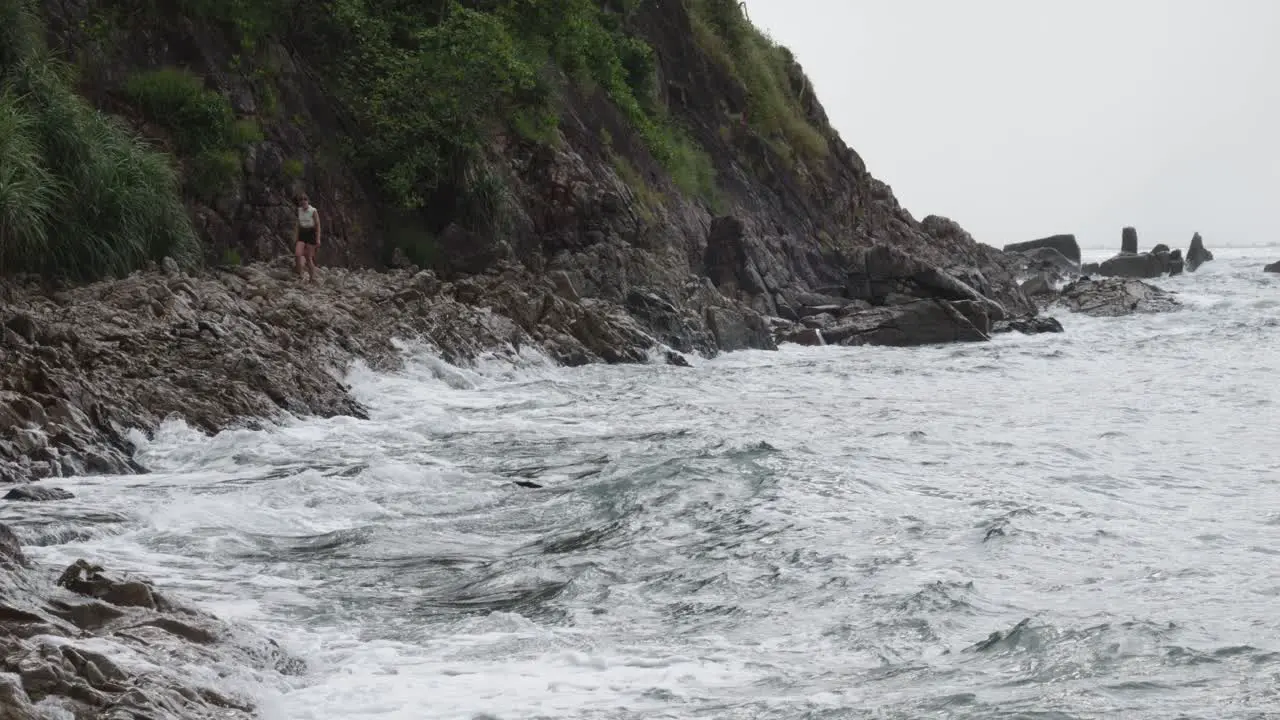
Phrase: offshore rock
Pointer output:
(1142, 266)
(1064, 245)
(1272, 268)
(1197, 255)
(922, 322)
(1114, 297)
(1129, 240)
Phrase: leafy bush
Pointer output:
(763, 69)
(80, 195)
(200, 119)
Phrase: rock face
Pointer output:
(1273, 267)
(1129, 240)
(1065, 245)
(1114, 297)
(1197, 255)
(55, 640)
(883, 275)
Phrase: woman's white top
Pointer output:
(307, 216)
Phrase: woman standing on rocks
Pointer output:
(306, 236)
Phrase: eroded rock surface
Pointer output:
(98, 645)
(1114, 297)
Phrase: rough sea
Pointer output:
(1083, 525)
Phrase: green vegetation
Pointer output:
(429, 84)
(201, 122)
(763, 70)
(80, 195)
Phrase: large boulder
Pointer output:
(884, 275)
(1129, 240)
(1066, 245)
(1113, 297)
(1140, 265)
(1197, 255)
(1273, 267)
(922, 322)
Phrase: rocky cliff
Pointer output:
(604, 178)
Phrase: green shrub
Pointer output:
(80, 195)
(763, 69)
(294, 169)
(199, 118)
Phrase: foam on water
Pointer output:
(1080, 524)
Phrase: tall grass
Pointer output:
(764, 70)
(81, 196)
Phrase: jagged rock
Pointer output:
(880, 274)
(922, 322)
(1159, 248)
(739, 330)
(1141, 266)
(1028, 325)
(1049, 260)
(811, 337)
(1090, 269)
(1176, 264)
(11, 555)
(37, 493)
(1197, 255)
(1041, 284)
(676, 359)
(1272, 268)
(1113, 297)
(1064, 245)
(1129, 241)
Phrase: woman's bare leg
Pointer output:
(300, 256)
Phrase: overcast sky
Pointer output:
(1024, 118)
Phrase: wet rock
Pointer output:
(676, 359)
(1141, 266)
(1090, 268)
(922, 322)
(1129, 240)
(811, 337)
(1113, 297)
(1197, 255)
(37, 493)
(739, 330)
(881, 273)
(11, 555)
(1175, 262)
(1041, 284)
(1028, 325)
(89, 580)
(1272, 268)
(1065, 245)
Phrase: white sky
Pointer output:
(1025, 118)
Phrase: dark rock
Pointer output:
(1113, 297)
(37, 493)
(1065, 245)
(1028, 325)
(739, 330)
(85, 579)
(1050, 260)
(1141, 266)
(529, 484)
(811, 337)
(676, 359)
(1129, 241)
(1159, 248)
(880, 274)
(11, 555)
(1272, 268)
(1090, 268)
(1197, 255)
(923, 322)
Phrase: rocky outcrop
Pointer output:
(883, 275)
(1273, 267)
(1114, 297)
(1129, 240)
(919, 322)
(1064, 245)
(37, 493)
(85, 365)
(1028, 326)
(1197, 255)
(99, 645)
(1140, 265)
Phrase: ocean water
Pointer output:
(1082, 525)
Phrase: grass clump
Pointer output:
(763, 69)
(81, 196)
(201, 122)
